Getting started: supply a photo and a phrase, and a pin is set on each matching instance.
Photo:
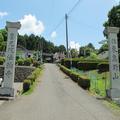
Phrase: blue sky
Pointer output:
(41, 17)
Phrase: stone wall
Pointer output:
(21, 72)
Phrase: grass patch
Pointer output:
(34, 78)
(99, 82)
(32, 88)
(113, 106)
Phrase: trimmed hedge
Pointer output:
(82, 81)
(20, 62)
(2, 60)
(87, 65)
(68, 62)
(26, 85)
(27, 61)
(31, 79)
(83, 64)
(103, 67)
(36, 63)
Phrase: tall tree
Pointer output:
(103, 48)
(90, 45)
(114, 20)
(62, 48)
(74, 53)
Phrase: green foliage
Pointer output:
(1, 42)
(113, 19)
(27, 61)
(31, 42)
(2, 60)
(92, 56)
(103, 48)
(86, 50)
(31, 79)
(26, 85)
(82, 64)
(20, 62)
(87, 65)
(4, 34)
(36, 63)
(74, 53)
(90, 45)
(3, 39)
(83, 81)
(103, 67)
(61, 48)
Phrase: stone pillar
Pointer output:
(8, 89)
(113, 62)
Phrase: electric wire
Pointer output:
(69, 12)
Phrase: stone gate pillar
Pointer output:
(113, 62)
(7, 88)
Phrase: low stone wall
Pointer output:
(21, 72)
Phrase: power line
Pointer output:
(70, 11)
(73, 8)
(58, 25)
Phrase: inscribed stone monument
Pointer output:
(8, 89)
(113, 62)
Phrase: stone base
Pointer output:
(8, 92)
(114, 94)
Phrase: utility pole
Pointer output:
(66, 18)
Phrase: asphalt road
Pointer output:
(56, 98)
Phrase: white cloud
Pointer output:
(30, 24)
(2, 14)
(53, 34)
(74, 45)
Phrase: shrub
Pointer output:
(83, 81)
(26, 85)
(20, 62)
(17, 57)
(82, 63)
(36, 63)
(103, 67)
(34, 75)
(87, 65)
(74, 76)
(36, 72)
(28, 61)
(31, 78)
(2, 60)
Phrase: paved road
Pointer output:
(56, 98)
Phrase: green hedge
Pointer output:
(83, 81)
(2, 60)
(31, 79)
(28, 61)
(87, 65)
(67, 62)
(20, 62)
(82, 64)
(26, 85)
(103, 67)
(36, 63)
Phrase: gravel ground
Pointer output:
(56, 98)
